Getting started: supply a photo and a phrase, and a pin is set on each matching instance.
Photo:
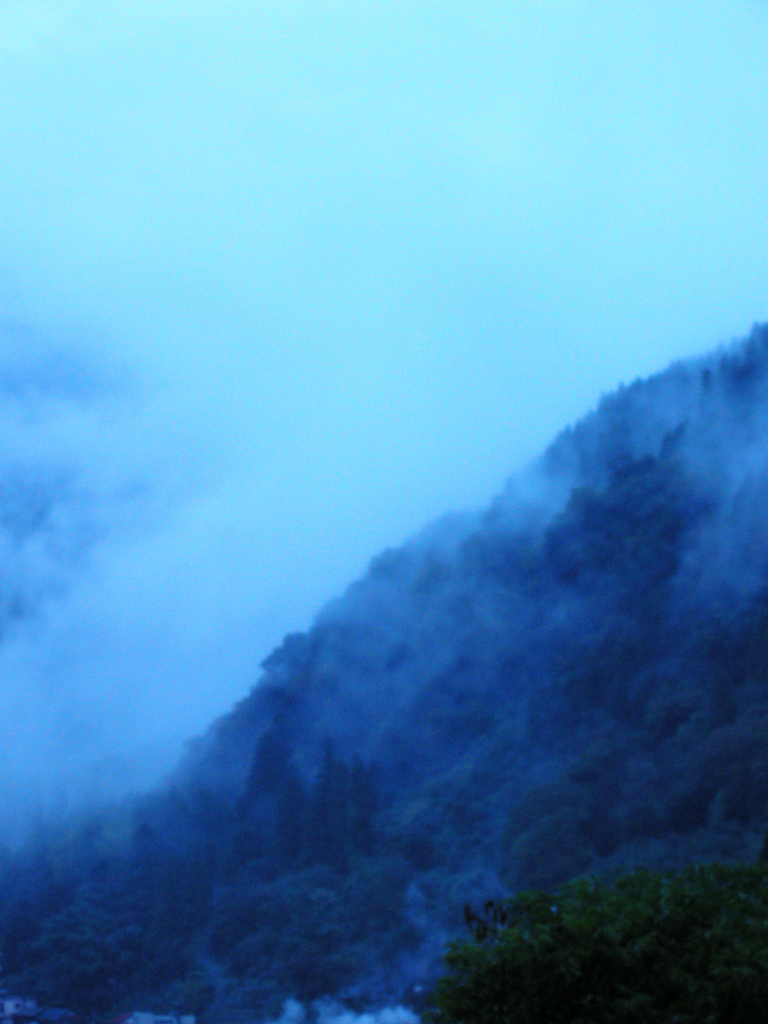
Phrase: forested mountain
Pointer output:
(574, 681)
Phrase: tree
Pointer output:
(690, 947)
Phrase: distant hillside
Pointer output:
(574, 681)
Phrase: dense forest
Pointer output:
(650, 947)
(572, 683)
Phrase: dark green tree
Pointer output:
(652, 948)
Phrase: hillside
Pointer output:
(574, 681)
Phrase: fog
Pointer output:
(332, 1013)
(280, 284)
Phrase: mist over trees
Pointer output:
(572, 683)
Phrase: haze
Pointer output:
(282, 282)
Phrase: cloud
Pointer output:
(112, 648)
(355, 262)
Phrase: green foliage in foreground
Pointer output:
(689, 947)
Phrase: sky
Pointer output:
(283, 282)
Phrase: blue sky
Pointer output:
(361, 260)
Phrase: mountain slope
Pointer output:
(573, 681)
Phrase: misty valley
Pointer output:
(569, 687)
